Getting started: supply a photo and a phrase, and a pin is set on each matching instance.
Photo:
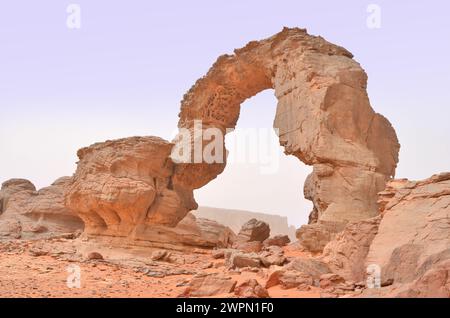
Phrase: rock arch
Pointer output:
(323, 115)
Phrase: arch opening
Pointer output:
(258, 176)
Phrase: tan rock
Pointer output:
(118, 185)
(277, 240)
(14, 187)
(205, 285)
(251, 289)
(323, 115)
(240, 260)
(28, 213)
(435, 283)
(414, 233)
(309, 266)
(249, 247)
(289, 279)
(329, 280)
(135, 186)
(254, 230)
(346, 254)
(273, 255)
(315, 236)
(122, 188)
(94, 256)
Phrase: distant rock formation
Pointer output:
(234, 219)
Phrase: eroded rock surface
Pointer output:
(323, 115)
(124, 187)
(347, 253)
(122, 184)
(28, 213)
(414, 234)
(254, 230)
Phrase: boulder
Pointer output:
(27, 213)
(206, 285)
(309, 266)
(277, 240)
(251, 289)
(330, 280)
(240, 260)
(273, 255)
(289, 279)
(254, 230)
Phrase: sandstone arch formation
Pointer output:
(130, 187)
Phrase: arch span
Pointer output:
(323, 115)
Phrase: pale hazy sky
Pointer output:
(125, 71)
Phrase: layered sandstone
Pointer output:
(123, 188)
(414, 234)
(408, 245)
(323, 115)
(27, 213)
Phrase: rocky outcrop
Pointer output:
(206, 285)
(251, 289)
(15, 187)
(254, 230)
(323, 115)
(346, 254)
(315, 236)
(434, 283)
(407, 247)
(123, 188)
(27, 213)
(129, 187)
(414, 234)
(123, 185)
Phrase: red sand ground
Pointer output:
(23, 274)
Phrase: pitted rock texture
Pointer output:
(323, 115)
(123, 184)
(27, 213)
(123, 188)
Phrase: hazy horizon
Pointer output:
(124, 72)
